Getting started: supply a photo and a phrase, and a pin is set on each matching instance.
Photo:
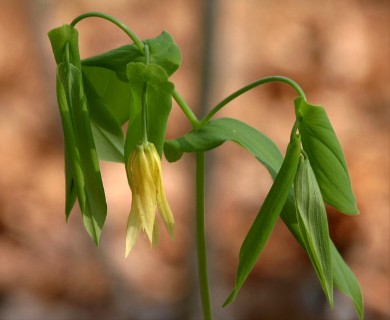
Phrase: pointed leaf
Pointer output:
(265, 221)
(313, 225)
(326, 157)
(346, 282)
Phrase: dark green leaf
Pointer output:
(313, 225)
(158, 102)
(326, 157)
(163, 52)
(107, 132)
(264, 223)
(114, 93)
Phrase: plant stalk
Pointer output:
(201, 237)
(248, 87)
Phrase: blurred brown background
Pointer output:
(337, 50)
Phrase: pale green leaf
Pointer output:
(313, 225)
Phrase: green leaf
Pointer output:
(114, 93)
(79, 143)
(70, 188)
(265, 221)
(158, 102)
(62, 37)
(107, 132)
(313, 225)
(215, 133)
(326, 157)
(346, 282)
(163, 52)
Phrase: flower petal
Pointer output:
(133, 227)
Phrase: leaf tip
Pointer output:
(230, 299)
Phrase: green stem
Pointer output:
(186, 109)
(115, 21)
(200, 236)
(144, 106)
(248, 87)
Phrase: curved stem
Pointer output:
(186, 109)
(248, 87)
(115, 21)
(200, 236)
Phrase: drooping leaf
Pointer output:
(163, 52)
(107, 132)
(61, 38)
(219, 131)
(265, 221)
(313, 225)
(81, 162)
(326, 157)
(214, 133)
(81, 149)
(114, 93)
(153, 80)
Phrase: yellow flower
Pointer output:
(145, 179)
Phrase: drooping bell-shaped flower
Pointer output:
(145, 179)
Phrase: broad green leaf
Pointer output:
(114, 93)
(346, 282)
(163, 52)
(265, 221)
(313, 225)
(214, 133)
(107, 132)
(153, 80)
(326, 157)
(81, 148)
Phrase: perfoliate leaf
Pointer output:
(158, 91)
(163, 52)
(62, 37)
(107, 132)
(265, 221)
(326, 157)
(114, 93)
(313, 225)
